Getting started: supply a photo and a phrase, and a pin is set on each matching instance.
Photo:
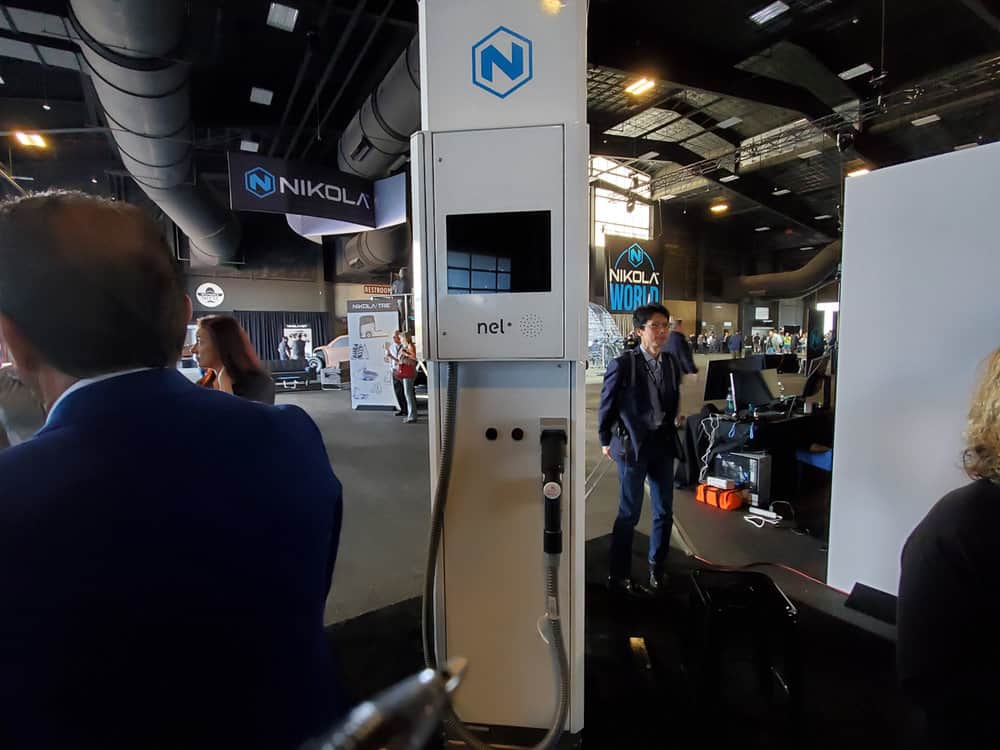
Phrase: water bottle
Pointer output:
(730, 402)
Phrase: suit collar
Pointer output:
(131, 392)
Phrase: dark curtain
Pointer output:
(265, 328)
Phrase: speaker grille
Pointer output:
(531, 325)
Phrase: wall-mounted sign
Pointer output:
(257, 183)
(378, 289)
(210, 295)
(762, 313)
(635, 277)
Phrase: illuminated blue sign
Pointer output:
(633, 280)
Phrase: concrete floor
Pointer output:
(384, 467)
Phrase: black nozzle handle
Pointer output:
(553, 463)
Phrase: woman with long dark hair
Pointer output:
(224, 347)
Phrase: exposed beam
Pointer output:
(751, 186)
(987, 16)
(369, 15)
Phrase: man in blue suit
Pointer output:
(639, 404)
(162, 585)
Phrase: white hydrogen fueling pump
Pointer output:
(499, 181)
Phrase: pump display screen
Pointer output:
(500, 253)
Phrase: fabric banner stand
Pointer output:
(370, 325)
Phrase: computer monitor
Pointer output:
(753, 388)
(717, 378)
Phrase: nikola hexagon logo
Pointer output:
(259, 182)
(502, 62)
(636, 257)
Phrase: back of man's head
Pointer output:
(90, 284)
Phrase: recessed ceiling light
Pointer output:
(24, 179)
(860, 172)
(781, 191)
(46, 106)
(965, 146)
(857, 70)
(640, 87)
(729, 178)
(809, 154)
(929, 119)
(93, 180)
(729, 122)
(768, 13)
(719, 208)
(30, 139)
(809, 247)
(822, 216)
(261, 96)
(762, 229)
(282, 16)
(251, 146)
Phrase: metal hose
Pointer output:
(556, 640)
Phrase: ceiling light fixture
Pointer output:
(719, 208)
(93, 180)
(822, 216)
(808, 247)
(32, 140)
(859, 172)
(668, 197)
(781, 191)
(857, 70)
(768, 13)
(965, 146)
(2, 81)
(24, 179)
(46, 106)
(729, 122)
(762, 229)
(261, 96)
(928, 120)
(640, 87)
(251, 146)
(729, 178)
(282, 16)
(809, 154)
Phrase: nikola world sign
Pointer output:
(633, 277)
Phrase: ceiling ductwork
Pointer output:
(379, 134)
(381, 249)
(788, 284)
(133, 50)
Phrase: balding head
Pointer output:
(90, 284)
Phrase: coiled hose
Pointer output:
(555, 641)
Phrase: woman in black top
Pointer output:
(948, 616)
(223, 346)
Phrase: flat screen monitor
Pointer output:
(753, 388)
(500, 253)
(717, 378)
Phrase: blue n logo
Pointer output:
(489, 55)
(259, 182)
(512, 68)
(636, 255)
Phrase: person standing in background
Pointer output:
(284, 350)
(677, 345)
(408, 374)
(393, 353)
(736, 345)
(298, 346)
(224, 347)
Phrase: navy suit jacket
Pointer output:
(628, 401)
(165, 557)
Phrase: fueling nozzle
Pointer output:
(553, 464)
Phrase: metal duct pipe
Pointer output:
(378, 250)
(787, 284)
(380, 132)
(133, 50)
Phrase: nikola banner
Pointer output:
(635, 273)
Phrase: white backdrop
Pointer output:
(919, 313)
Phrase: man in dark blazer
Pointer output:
(639, 404)
(162, 585)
